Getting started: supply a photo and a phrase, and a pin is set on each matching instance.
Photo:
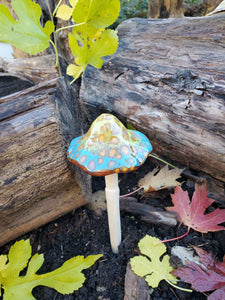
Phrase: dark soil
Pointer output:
(84, 232)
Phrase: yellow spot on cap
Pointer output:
(118, 156)
(112, 152)
(80, 147)
(115, 140)
(100, 161)
(102, 152)
(101, 138)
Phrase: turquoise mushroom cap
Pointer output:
(108, 147)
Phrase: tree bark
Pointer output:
(36, 127)
(135, 287)
(167, 80)
(201, 8)
(160, 9)
(148, 213)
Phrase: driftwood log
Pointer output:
(167, 79)
(36, 126)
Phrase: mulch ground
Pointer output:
(85, 232)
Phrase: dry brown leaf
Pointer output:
(160, 179)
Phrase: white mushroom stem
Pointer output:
(112, 193)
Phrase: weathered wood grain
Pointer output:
(135, 287)
(147, 213)
(167, 79)
(36, 69)
(37, 185)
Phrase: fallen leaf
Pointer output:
(153, 268)
(184, 255)
(191, 213)
(208, 276)
(65, 279)
(160, 179)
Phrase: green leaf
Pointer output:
(65, 279)
(153, 268)
(89, 42)
(105, 45)
(89, 45)
(130, 127)
(100, 13)
(26, 34)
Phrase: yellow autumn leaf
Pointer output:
(65, 279)
(3, 261)
(3, 267)
(64, 11)
(160, 179)
(74, 70)
(151, 266)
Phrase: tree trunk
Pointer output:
(159, 9)
(167, 80)
(201, 8)
(36, 127)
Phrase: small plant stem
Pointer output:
(78, 75)
(56, 54)
(112, 193)
(57, 6)
(177, 287)
(174, 239)
(131, 193)
(162, 160)
(69, 26)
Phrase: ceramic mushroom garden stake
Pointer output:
(107, 149)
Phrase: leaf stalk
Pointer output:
(178, 287)
(176, 238)
(162, 160)
(69, 26)
(56, 54)
(57, 6)
(131, 193)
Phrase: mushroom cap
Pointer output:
(108, 147)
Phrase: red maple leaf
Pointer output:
(207, 276)
(191, 213)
